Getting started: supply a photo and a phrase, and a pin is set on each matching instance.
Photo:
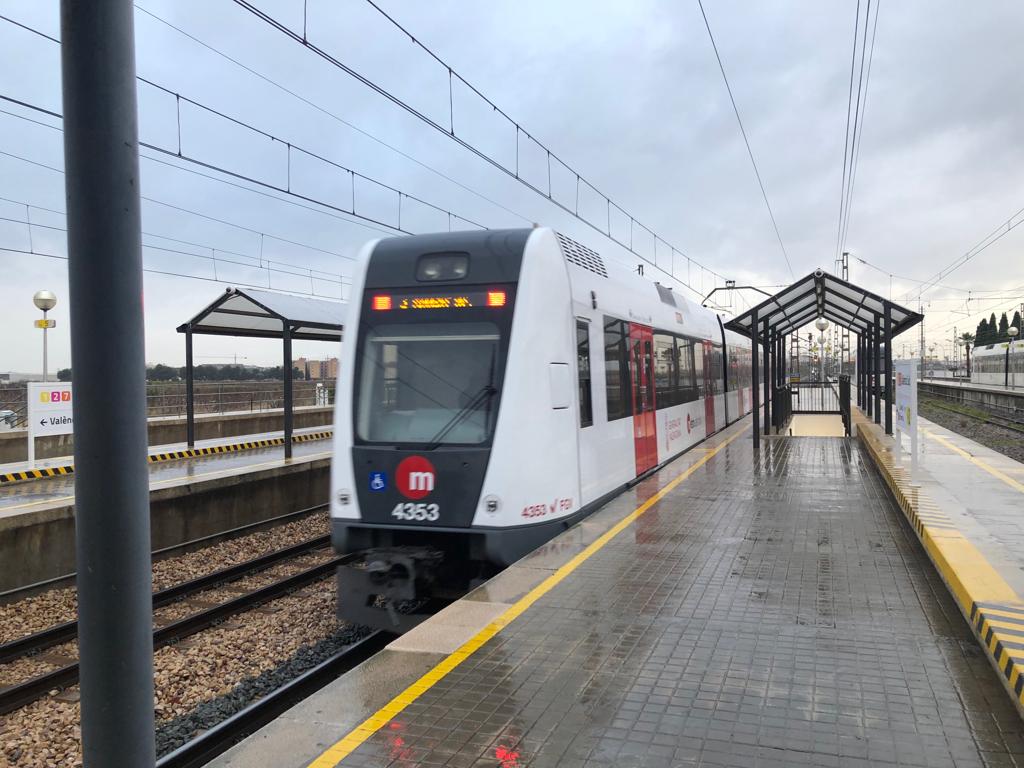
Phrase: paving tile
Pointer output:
(768, 612)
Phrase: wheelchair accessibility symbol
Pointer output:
(378, 481)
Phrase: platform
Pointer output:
(227, 454)
(731, 610)
(189, 499)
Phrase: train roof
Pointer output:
(613, 287)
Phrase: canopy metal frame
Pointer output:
(263, 315)
(875, 320)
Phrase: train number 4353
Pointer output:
(411, 511)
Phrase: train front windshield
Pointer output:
(428, 383)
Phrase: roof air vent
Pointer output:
(581, 256)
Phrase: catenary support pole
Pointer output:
(101, 158)
(754, 388)
(190, 391)
(888, 368)
(288, 397)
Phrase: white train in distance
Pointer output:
(495, 388)
(990, 364)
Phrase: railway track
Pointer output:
(28, 590)
(212, 742)
(21, 694)
(1015, 424)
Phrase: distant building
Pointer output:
(317, 370)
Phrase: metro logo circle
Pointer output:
(415, 477)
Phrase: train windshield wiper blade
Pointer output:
(487, 391)
(483, 396)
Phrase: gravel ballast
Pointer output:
(199, 681)
(33, 614)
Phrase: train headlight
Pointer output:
(344, 497)
(442, 266)
(492, 505)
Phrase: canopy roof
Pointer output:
(264, 314)
(823, 295)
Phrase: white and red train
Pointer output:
(498, 386)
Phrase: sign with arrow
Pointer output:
(49, 412)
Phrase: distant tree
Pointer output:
(64, 374)
(1016, 323)
(981, 335)
(161, 372)
(993, 333)
(1004, 325)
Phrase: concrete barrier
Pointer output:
(40, 544)
(165, 430)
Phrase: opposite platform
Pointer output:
(728, 611)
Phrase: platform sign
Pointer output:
(49, 412)
(905, 403)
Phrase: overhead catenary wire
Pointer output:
(179, 154)
(846, 140)
(657, 239)
(858, 131)
(303, 39)
(746, 141)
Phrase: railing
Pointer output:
(168, 398)
(782, 410)
(815, 397)
(844, 402)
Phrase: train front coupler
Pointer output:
(383, 587)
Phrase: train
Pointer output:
(999, 364)
(496, 387)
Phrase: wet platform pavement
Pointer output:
(725, 612)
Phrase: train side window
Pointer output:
(687, 373)
(583, 367)
(666, 372)
(716, 363)
(616, 369)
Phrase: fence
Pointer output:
(815, 397)
(168, 398)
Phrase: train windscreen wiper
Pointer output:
(487, 391)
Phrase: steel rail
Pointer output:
(28, 590)
(21, 694)
(68, 630)
(218, 739)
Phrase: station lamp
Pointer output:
(45, 300)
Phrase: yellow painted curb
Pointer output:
(991, 606)
(154, 458)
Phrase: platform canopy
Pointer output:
(875, 321)
(265, 314)
(823, 295)
(262, 314)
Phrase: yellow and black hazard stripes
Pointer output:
(1001, 628)
(35, 474)
(992, 607)
(189, 453)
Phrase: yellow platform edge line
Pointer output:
(357, 736)
(967, 573)
(156, 458)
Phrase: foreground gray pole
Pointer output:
(115, 641)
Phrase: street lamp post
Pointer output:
(1012, 332)
(45, 300)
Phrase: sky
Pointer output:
(628, 95)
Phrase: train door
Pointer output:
(641, 369)
(709, 389)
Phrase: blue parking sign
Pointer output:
(378, 481)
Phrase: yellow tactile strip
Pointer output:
(35, 474)
(991, 606)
